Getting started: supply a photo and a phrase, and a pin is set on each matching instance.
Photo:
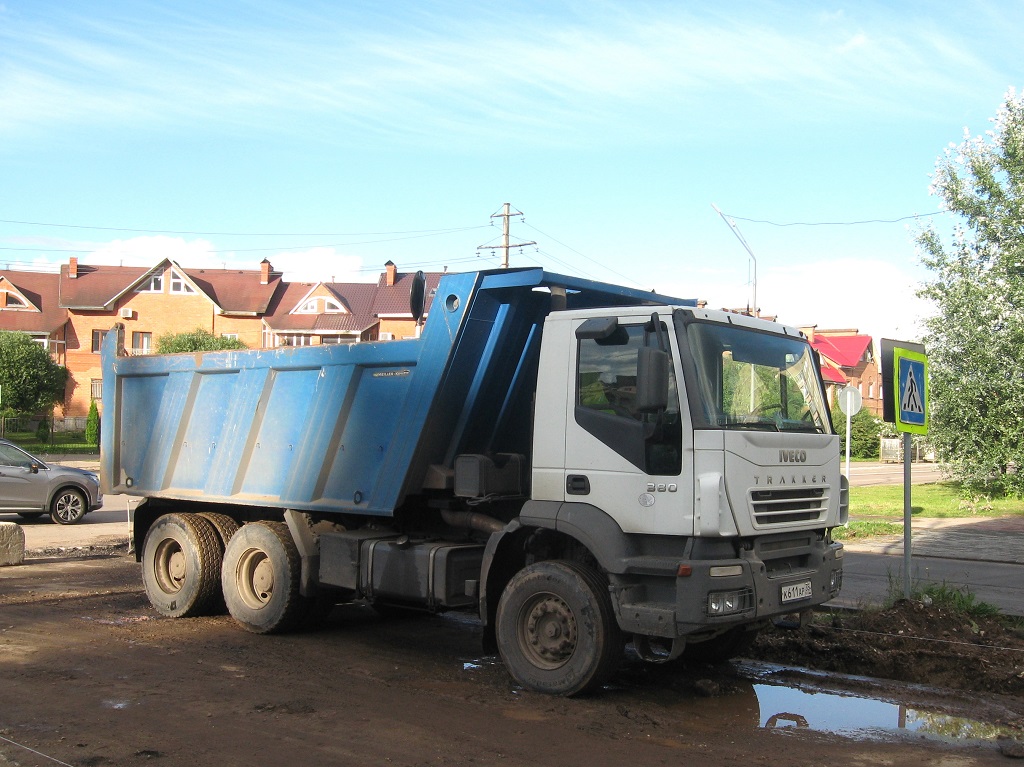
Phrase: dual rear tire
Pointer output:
(198, 564)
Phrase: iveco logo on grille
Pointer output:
(793, 456)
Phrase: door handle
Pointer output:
(577, 484)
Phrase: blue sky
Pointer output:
(331, 137)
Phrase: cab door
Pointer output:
(620, 456)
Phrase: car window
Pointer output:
(11, 456)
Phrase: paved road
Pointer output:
(985, 556)
(863, 474)
(103, 527)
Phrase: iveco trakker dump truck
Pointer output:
(581, 464)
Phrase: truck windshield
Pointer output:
(752, 380)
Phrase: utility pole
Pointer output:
(736, 231)
(506, 213)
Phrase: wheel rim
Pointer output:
(254, 578)
(69, 507)
(547, 631)
(169, 566)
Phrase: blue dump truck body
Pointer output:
(580, 463)
(340, 428)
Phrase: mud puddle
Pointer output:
(816, 709)
(754, 695)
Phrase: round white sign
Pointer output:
(850, 400)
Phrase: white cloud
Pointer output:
(315, 264)
(540, 77)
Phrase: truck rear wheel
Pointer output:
(181, 565)
(556, 628)
(260, 578)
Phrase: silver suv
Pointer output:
(30, 487)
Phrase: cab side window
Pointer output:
(606, 386)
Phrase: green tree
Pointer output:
(865, 433)
(975, 337)
(92, 425)
(198, 340)
(31, 381)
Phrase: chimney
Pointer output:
(392, 273)
(265, 268)
(73, 268)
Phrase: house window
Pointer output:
(154, 284)
(293, 339)
(142, 343)
(96, 388)
(14, 302)
(97, 340)
(232, 336)
(178, 284)
(320, 305)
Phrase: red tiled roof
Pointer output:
(96, 286)
(845, 351)
(833, 375)
(40, 289)
(394, 299)
(235, 291)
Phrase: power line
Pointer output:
(578, 253)
(237, 234)
(835, 223)
(427, 233)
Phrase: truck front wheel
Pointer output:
(181, 565)
(260, 578)
(556, 628)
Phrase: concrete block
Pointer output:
(12, 544)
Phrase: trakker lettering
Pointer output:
(802, 479)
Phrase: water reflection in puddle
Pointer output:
(774, 697)
(854, 716)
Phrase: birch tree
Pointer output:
(975, 339)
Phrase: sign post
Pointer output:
(905, 403)
(850, 401)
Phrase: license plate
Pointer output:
(794, 591)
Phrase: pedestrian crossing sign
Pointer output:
(911, 390)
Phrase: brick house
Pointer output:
(69, 312)
(848, 359)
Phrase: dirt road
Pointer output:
(92, 676)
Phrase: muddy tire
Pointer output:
(181, 566)
(223, 524)
(556, 629)
(225, 527)
(260, 579)
(68, 506)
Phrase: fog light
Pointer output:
(725, 602)
(835, 580)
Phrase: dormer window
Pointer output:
(320, 305)
(152, 284)
(14, 301)
(179, 285)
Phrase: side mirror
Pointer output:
(34, 468)
(418, 296)
(651, 380)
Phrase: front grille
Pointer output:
(776, 507)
